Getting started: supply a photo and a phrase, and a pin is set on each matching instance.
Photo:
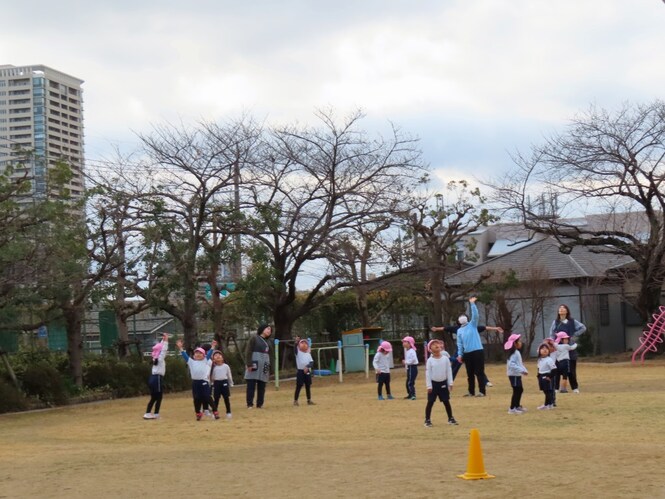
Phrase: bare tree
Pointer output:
(188, 212)
(609, 162)
(308, 188)
(440, 228)
(533, 295)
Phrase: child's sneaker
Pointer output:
(428, 423)
(551, 406)
(544, 407)
(390, 397)
(381, 397)
(295, 403)
(156, 416)
(481, 395)
(413, 398)
(216, 414)
(489, 384)
(147, 415)
(468, 394)
(310, 402)
(576, 390)
(206, 413)
(452, 421)
(563, 390)
(199, 415)
(522, 409)
(228, 415)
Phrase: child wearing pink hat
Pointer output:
(439, 380)
(304, 364)
(546, 373)
(411, 366)
(199, 369)
(222, 381)
(381, 365)
(515, 370)
(563, 349)
(156, 380)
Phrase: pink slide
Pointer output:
(652, 335)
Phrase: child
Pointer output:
(381, 365)
(199, 370)
(411, 365)
(563, 349)
(222, 381)
(439, 380)
(515, 369)
(546, 371)
(304, 363)
(156, 380)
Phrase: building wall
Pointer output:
(41, 111)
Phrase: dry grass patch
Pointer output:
(606, 441)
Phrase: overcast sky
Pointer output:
(475, 79)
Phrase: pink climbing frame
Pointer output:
(651, 336)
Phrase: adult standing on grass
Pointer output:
(565, 322)
(452, 330)
(257, 372)
(470, 350)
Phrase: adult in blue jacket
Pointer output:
(470, 350)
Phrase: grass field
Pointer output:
(608, 441)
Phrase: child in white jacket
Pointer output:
(381, 365)
(439, 380)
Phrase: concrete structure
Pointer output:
(41, 122)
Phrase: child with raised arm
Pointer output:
(439, 380)
(156, 380)
(199, 370)
(304, 364)
(222, 381)
(381, 363)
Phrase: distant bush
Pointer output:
(43, 381)
(11, 399)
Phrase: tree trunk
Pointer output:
(437, 301)
(123, 335)
(363, 309)
(73, 319)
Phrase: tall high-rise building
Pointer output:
(41, 123)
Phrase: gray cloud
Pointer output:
(474, 79)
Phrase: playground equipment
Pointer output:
(651, 336)
(475, 468)
(320, 371)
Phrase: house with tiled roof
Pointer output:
(589, 280)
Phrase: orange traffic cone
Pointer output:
(475, 468)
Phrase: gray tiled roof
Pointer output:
(543, 258)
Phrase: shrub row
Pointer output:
(44, 378)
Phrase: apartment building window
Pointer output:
(3, 83)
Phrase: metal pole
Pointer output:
(276, 364)
(367, 360)
(339, 360)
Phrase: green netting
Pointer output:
(57, 337)
(108, 328)
(9, 341)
